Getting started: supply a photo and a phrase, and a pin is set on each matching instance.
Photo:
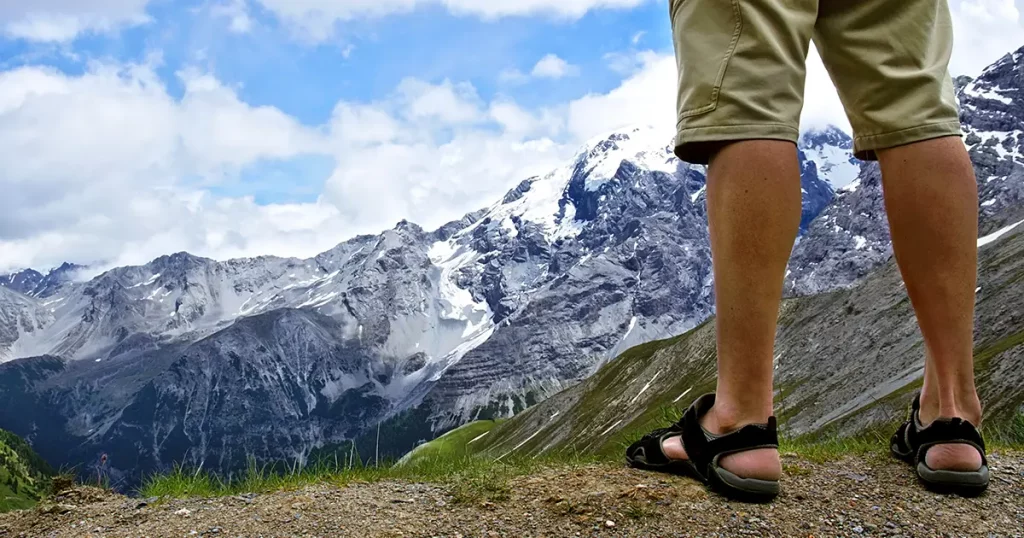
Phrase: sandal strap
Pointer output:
(911, 441)
(704, 451)
(945, 431)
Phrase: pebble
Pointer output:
(609, 523)
(184, 512)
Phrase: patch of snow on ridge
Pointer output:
(993, 94)
(646, 146)
(834, 165)
(458, 304)
(991, 238)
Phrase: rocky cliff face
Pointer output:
(851, 237)
(492, 313)
(847, 361)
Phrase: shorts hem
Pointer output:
(696, 145)
(864, 146)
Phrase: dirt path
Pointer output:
(849, 498)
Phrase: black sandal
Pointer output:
(911, 442)
(705, 450)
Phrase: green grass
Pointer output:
(455, 444)
(472, 478)
(24, 476)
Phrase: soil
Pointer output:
(852, 497)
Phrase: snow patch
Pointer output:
(995, 236)
(834, 165)
(610, 428)
(645, 146)
(643, 390)
(694, 196)
(680, 397)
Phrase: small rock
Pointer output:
(858, 529)
(57, 509)
(609, 523)
(185, 512)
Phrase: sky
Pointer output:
(130, 129)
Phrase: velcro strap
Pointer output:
(703, 451)
(947, 431)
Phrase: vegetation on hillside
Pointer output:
(24, 476)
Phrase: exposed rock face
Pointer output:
(846, 362)
(851, 237)
(484, 316)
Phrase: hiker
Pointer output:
(742, 66)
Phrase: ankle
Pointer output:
(965, 405)
(727, 417)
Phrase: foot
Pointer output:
(762, 463)
(952, 457)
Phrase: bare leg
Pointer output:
(931, 197)
(754, 215)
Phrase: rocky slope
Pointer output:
(851, 237)
(847, 362)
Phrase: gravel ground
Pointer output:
(853, 497)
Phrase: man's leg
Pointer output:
(931, 197)
(753, 194)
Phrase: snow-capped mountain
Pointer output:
(488, 314)
(851, 237)
(35, 284)
(192, 360)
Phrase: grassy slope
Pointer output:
(24, 476)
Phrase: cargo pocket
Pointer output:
(706, 33)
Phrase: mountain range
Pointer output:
(406, 334)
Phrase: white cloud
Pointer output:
(237, 14)
(512, 76)
(551, 66)
(637, 37)
(107, 166)
(822, 106)
(985, 31)
(63, 20)
(316, 19)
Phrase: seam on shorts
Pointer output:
(733, 126)
(914, 128)
(720, 80)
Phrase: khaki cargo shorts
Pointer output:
(742, 70)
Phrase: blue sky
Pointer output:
(133, 128)
(272, 63)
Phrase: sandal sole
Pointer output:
(721, 481)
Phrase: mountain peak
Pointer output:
(647, 146)
(831, 151)
(827, 136)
